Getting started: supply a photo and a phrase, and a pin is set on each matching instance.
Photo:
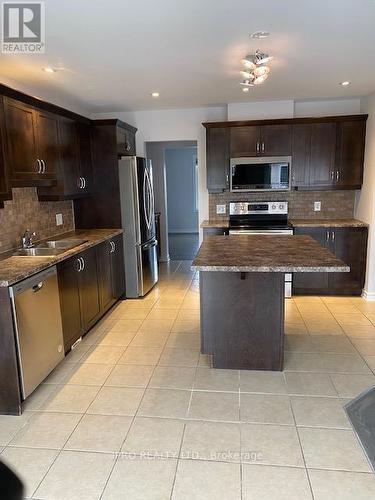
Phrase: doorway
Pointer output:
(175, 167)
(181, 167)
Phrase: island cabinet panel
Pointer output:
(254, 302)
(217, 145)
(348, 244)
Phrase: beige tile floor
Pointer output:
(136, 412)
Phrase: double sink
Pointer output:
(49, 248)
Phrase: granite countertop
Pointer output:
(17, 268)
(215, 223)
(296, 223)
(327, 223)
(280, 254)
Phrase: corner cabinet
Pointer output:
(348, 244)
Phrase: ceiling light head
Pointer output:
(261, 58)
(248, 61)
(247, 74)
(260, 34)
(245, 89)
(247, 83)
(155, 94)
(260, 79)
(345, 83)
(261, 70)
(48, 69)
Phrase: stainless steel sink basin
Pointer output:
(37, 252)
(65, 244)
(49, 248)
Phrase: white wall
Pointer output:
(327, 107)
(175, 125)
(365, 199)
(260, 110)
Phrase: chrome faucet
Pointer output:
(27, 239)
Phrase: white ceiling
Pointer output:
(117, 52)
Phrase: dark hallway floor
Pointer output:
(183, 246)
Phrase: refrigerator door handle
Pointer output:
(149, 188)
(144, 198)
(150, 245)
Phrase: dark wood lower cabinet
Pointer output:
(89, 284)
(350, 245)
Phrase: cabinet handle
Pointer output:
(332, 175)
(127, 146)
(43, 166)
(263, 147)
(79, 182)
(83, 263)
(39, 166)
(327, 236)
(337, 175)
(84, 183)
(112, 246)
(257, 147)
(79, 268)
(333, 236)
(227, 179)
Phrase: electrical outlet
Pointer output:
(317, 206)
(220, 209)
(59, 219)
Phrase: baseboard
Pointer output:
(370, 296)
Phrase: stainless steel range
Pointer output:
(261, 218)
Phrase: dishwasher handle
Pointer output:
(36, 288)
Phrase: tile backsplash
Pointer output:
(25, 211)
(334, 204)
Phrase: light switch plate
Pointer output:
(59, 220)
(317, 206)
(220, 209)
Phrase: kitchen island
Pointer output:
(242, 295)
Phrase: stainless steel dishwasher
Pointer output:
(38, 327)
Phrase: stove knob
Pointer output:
(281, 206)
(273, 207)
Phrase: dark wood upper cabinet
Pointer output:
(47, 140)
(85, 156)
(275, 140)
(21, 143)
(322, 154)
(351, 136)
(217, 146)
(244, 141)
(5, 191)
(125, 140)
(301, 147)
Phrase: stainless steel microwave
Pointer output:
(260, 174)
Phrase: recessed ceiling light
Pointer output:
(260, 34)
(155, 94)
(345, 83)
(245, 89)
(48, 69)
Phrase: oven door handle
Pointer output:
(266, 232)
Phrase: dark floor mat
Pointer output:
(361, 413)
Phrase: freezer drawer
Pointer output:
(38, 327)
(148, 266)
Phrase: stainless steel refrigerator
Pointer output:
(138, 222)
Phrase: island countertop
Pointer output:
(265, 254)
